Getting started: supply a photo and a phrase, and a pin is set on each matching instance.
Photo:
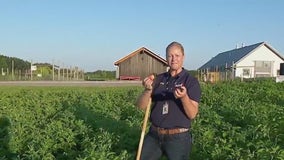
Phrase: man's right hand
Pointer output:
(148, 82)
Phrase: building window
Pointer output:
(246, 72)
(263, 66)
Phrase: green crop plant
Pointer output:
(236, 120)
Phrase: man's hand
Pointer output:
(180, 92)
(148, 81)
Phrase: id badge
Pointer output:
(165, 108)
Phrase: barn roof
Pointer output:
(235, 55)
(146, 51)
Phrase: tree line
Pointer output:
(100, 75)
(13, 63)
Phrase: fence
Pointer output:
(215, 74)
(63, 74)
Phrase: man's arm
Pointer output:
(143, 99)
(190, 106)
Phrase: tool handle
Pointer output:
(146, 117)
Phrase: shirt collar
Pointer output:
(180, 74)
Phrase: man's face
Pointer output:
(175, 58)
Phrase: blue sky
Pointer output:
(93, 34)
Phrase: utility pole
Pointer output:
(31, 70)
(12, 69)
(53, 70)
(77, 70)
(67, 76)
(74, 73)
(58, 70)
(63, 71)
(233, 70)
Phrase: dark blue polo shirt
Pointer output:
(167, 111)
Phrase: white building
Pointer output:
(257, 60)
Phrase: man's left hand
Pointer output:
(180, 92)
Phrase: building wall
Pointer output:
(141, 65)
(260, 54)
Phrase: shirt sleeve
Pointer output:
(194, 90)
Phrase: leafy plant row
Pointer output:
(240, 120)
(237, 120)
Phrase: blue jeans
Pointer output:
(174, 147)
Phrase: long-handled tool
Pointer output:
(146, 117)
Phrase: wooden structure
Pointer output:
(139, 64)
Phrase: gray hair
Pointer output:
(175, 44)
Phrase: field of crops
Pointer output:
(237, 120)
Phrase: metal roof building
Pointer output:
(257, 60)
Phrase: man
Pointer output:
(175, 97)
